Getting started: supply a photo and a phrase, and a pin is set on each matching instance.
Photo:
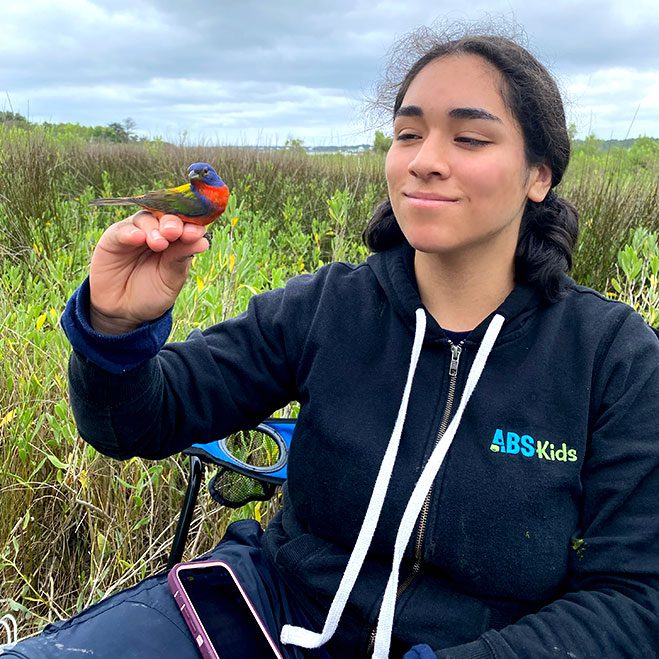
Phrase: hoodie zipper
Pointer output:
(456, 351)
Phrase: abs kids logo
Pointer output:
(514, 444)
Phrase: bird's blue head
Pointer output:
(202, 172)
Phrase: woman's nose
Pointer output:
(430, 159)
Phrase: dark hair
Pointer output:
(549, 229)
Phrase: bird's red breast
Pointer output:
(218, 198)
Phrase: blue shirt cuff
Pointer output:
(420, 652)
(113, 353)
(477, 649)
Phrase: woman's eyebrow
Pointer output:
(473, 113)
(454, 113)
(408, 111)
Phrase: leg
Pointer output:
(142, 622)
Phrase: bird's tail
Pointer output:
(114, 201)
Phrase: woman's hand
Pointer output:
(138, 269)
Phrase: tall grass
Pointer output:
(612, 199)
(38, 176)
(75, 526)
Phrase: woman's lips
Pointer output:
(428, 199)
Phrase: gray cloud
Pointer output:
(245, 66)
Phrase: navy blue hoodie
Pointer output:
(542, 536)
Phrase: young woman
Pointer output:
(474, 471)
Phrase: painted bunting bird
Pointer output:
(201, 201)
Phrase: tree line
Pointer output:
(117, 132)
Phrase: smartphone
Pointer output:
(218, 612)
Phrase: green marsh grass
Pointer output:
(76, 526)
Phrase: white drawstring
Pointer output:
(415, 503)
(304, 637)
(308, 639)
(11, 630)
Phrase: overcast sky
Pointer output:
(259, 72)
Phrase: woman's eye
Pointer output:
(406, 136)
(471, 141)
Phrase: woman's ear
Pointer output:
(539, 182)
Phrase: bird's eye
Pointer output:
(205, 172)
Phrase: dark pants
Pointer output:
(144, 622)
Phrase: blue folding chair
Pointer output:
(251, 465)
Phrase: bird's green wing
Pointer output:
(181, 201)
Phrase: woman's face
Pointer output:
(456, 170)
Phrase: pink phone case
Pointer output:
(191, 616)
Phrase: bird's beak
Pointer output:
(193, 174)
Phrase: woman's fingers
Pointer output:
(179, 255)
(150, 225)
(170, 227)
(174, 241)
(192, 232)
(139, 266)
(173, 228)
(144, 228)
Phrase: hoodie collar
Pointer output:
(394, 270)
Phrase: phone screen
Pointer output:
(225, 615)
